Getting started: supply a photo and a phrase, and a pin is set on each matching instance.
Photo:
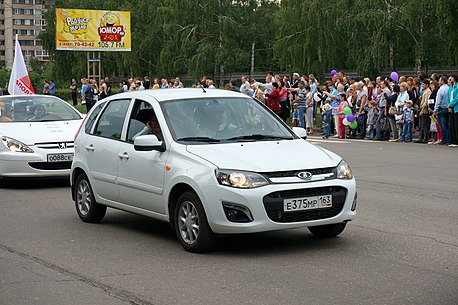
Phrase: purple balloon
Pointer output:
(351, 118)
(394, 76)
(333, 72)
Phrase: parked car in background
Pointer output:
(209, 162)
(37, 134)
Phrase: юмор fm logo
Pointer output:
(110, 28)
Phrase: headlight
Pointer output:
(344, 171)
(15, 145)
(240, 179)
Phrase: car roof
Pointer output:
(162, 95)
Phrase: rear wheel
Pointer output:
(191, 225)
(331, 230)
(86, 206)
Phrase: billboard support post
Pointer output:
(94, 66)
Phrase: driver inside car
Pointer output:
(151, 127)
(38, 113)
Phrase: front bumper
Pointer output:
(266, 206)
(17, 165)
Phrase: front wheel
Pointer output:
(331, 230)
(191, 225)
(86, 206)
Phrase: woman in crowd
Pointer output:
(284, 103)
(309, 110)
(392, 111)
(452, 101)
(436, 136)
(361, 103)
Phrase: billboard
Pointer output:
(91, 30)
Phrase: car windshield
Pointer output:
(30, 108)
(216, 120)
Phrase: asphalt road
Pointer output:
(401, 249)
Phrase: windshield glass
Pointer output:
(215, 120)
(29, 108)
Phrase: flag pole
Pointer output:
(19, 83)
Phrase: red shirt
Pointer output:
(273, 101)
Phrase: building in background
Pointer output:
(25, 18)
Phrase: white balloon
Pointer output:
(345, 122)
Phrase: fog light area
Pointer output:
(353, 206)
(237, 213)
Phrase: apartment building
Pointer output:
(25, 18)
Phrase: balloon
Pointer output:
(353, 125)
(333, 72)
(347, 110)
(394, 76)
(351, 118)
(346, 122)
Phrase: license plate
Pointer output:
(60, 157)
(307, 203)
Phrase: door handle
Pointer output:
(90, 148)
(124, 156)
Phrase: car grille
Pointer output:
(285, 174)
(294, 176)
(51, 165)
(273, 204)
(55, 145)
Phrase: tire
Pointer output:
(327, 231)
(86, 206)
(191, 225)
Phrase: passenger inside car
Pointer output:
(4, 114)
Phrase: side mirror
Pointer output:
(300, 132)
(148, 143)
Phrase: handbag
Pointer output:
(385, 125)
(392, 110)
(433, 127)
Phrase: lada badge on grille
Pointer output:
(305, 175)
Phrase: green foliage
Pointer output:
(4, 79)
(215, 37)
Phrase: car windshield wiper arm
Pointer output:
(260, 137)
(199, 139)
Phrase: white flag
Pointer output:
(19, 80)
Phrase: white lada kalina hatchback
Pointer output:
(209, 162)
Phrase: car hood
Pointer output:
(31, 133)
(266, 156)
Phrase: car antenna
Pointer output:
(203, 89)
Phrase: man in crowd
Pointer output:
(244, 88)
(441, 111)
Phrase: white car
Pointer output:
(209, 162)
(37, 134)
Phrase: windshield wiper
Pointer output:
(199, 139)
(260, 137)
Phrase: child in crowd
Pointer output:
(340, 110)
(408, 116)
(326, 119)
(372, 115)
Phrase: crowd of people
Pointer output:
(383, 109)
